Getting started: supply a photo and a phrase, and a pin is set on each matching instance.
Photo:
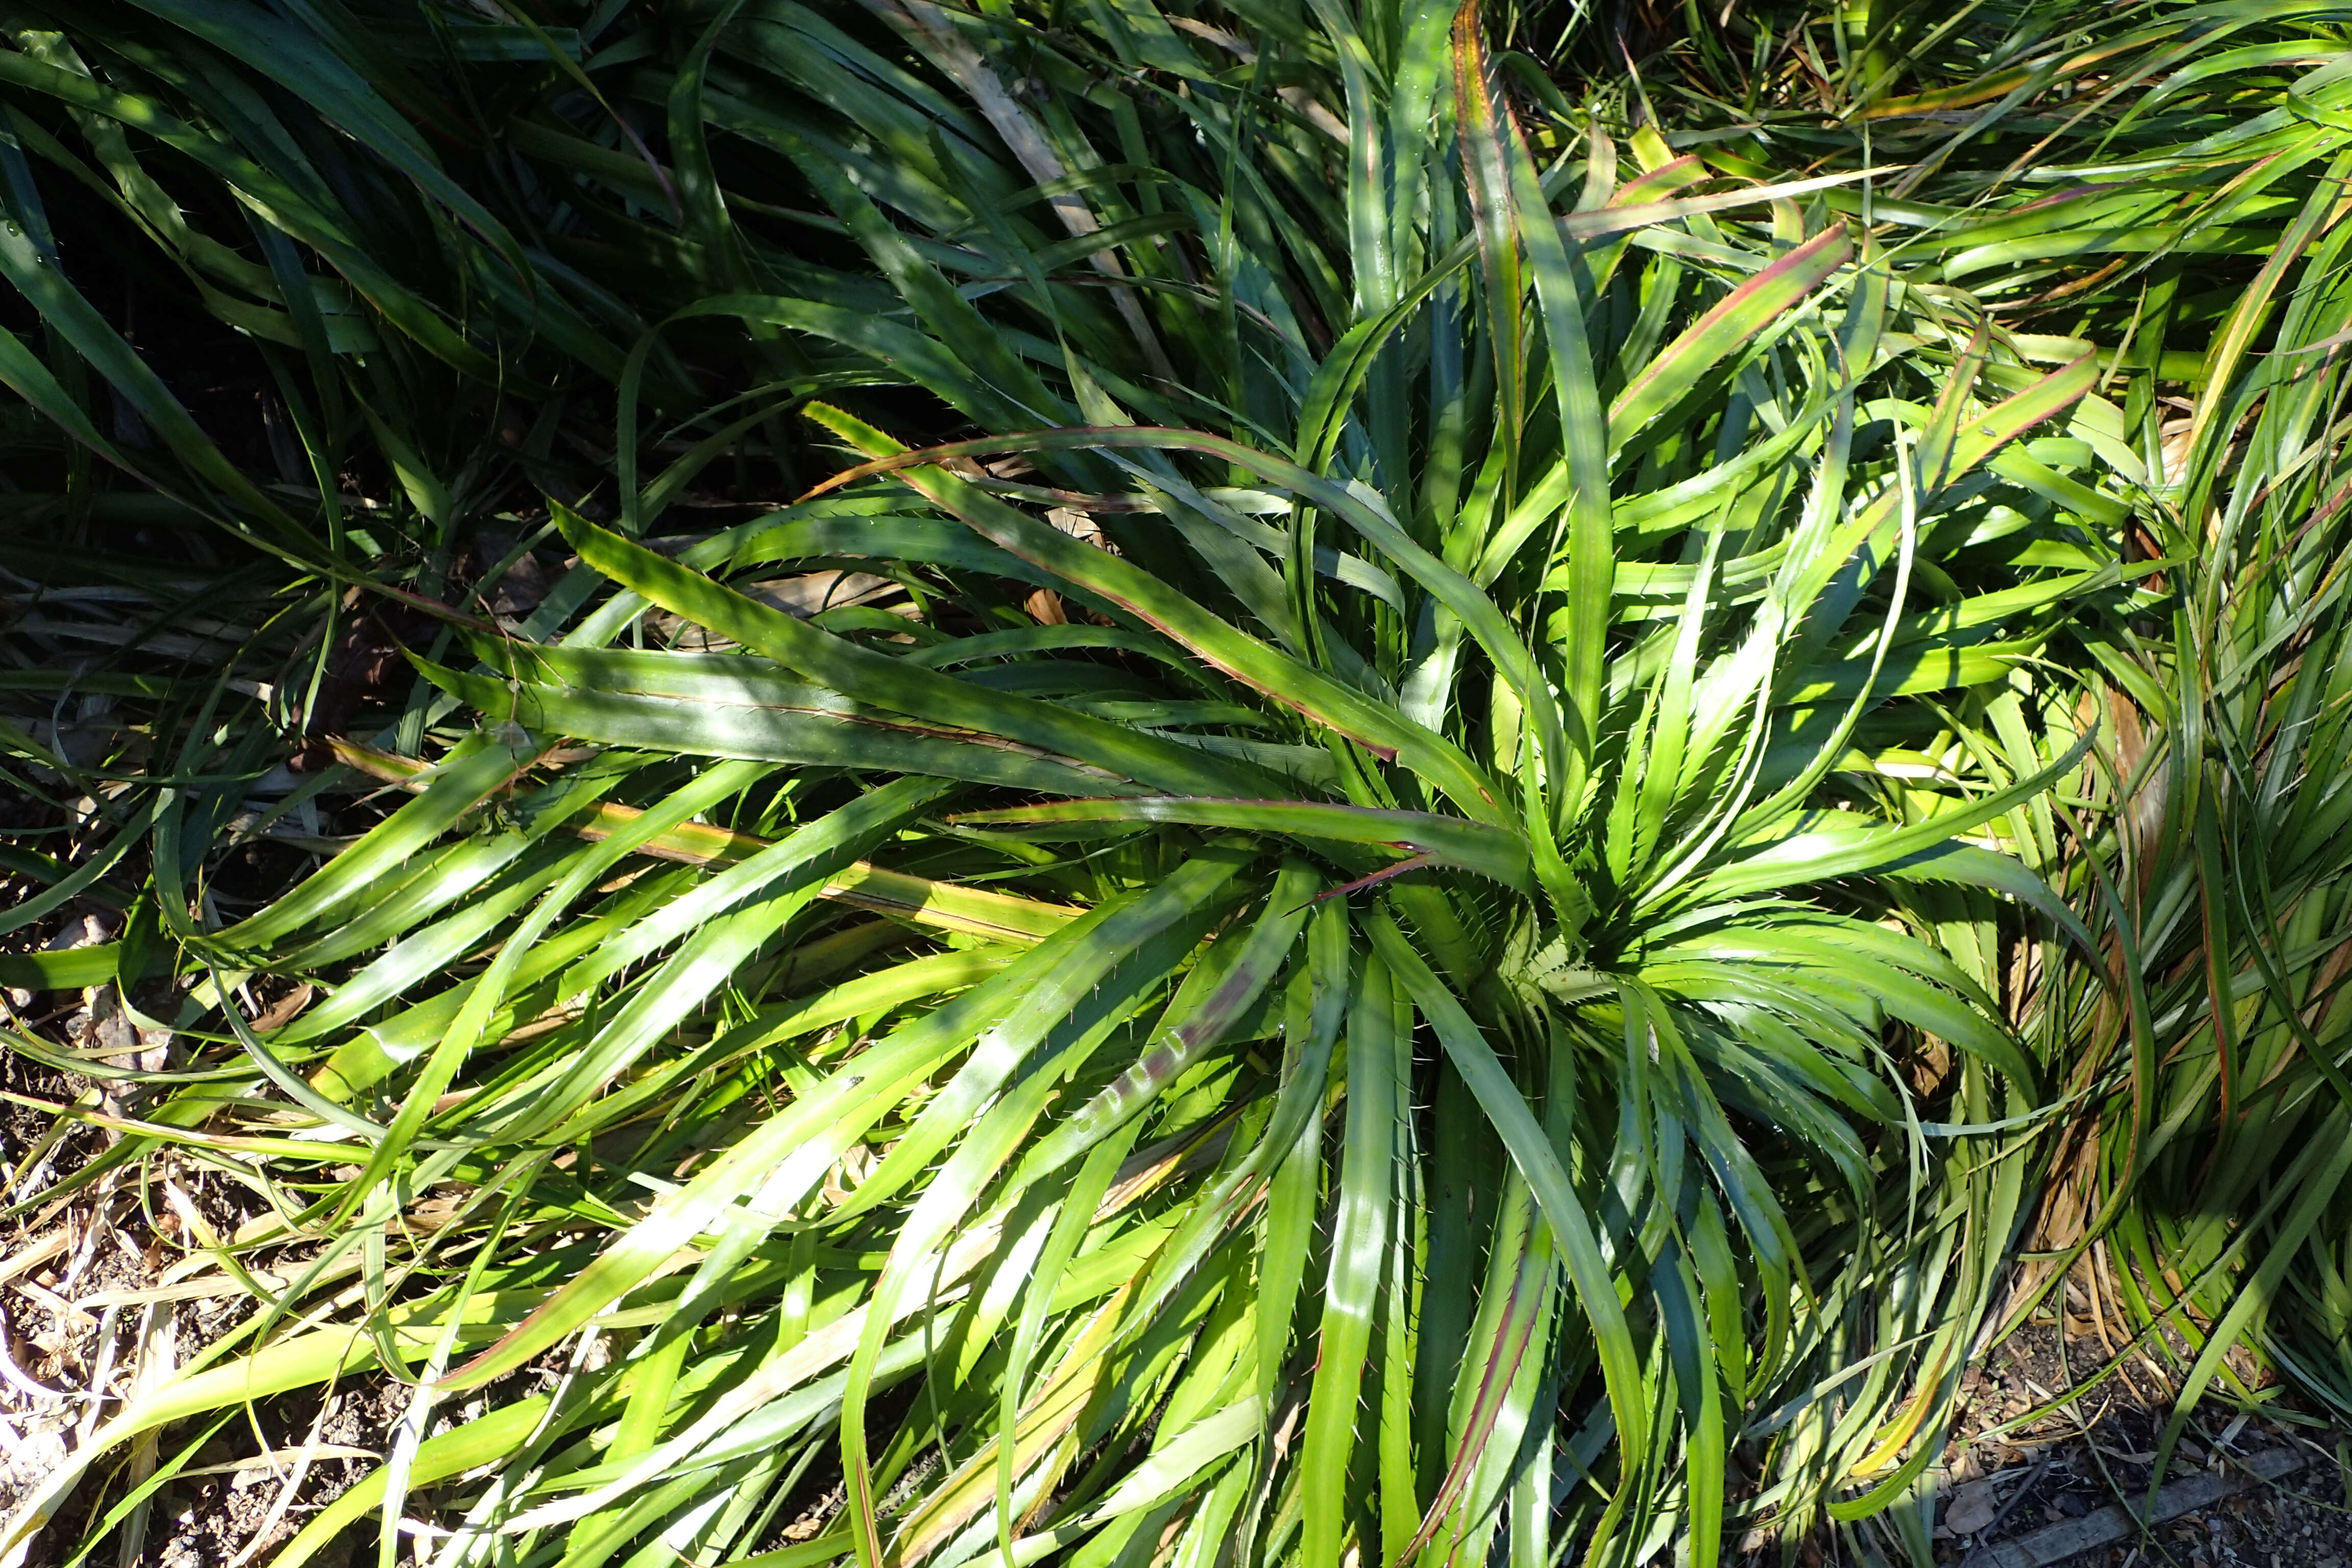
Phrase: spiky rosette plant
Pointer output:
(1290, 918)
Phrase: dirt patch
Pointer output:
(239, 1501)
(2017, 1484)
(91, 1317)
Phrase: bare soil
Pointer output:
(2007, 1483)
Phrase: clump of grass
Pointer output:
(1173, 782)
